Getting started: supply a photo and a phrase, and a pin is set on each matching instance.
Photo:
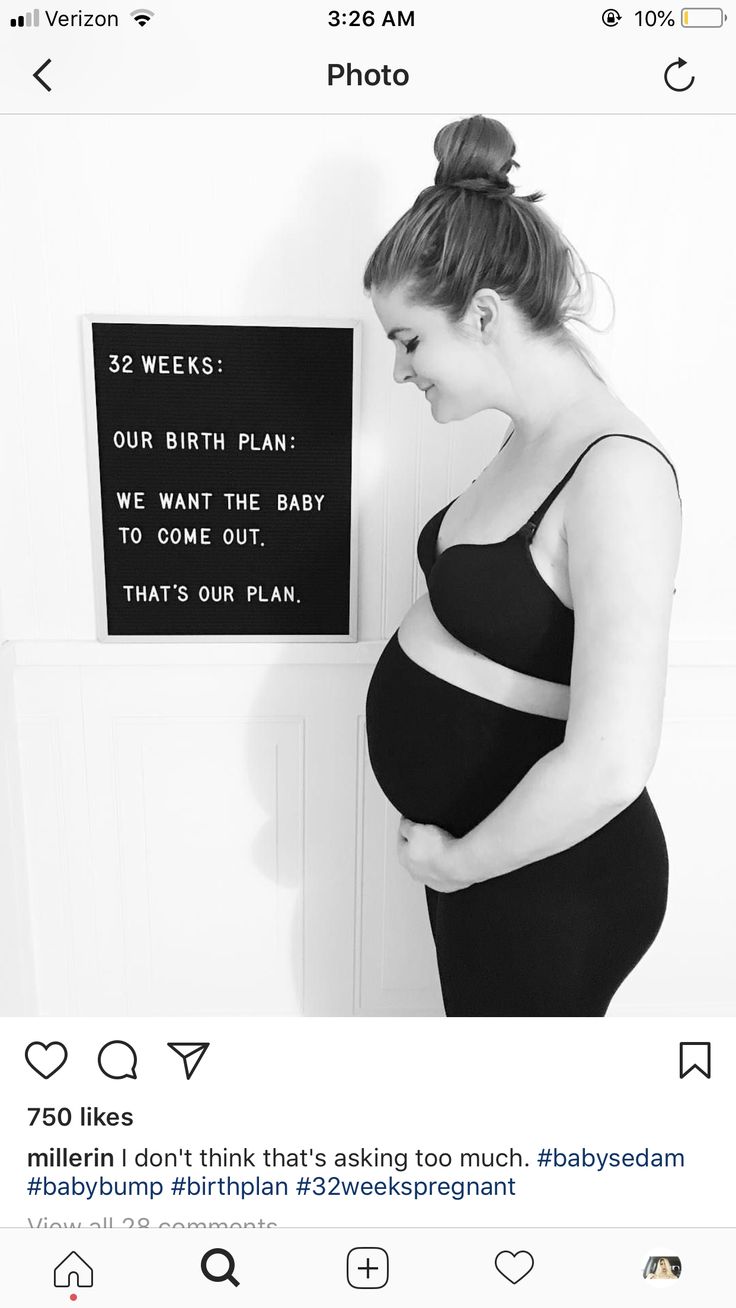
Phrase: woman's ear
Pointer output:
(485, 310)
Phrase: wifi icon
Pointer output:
(141, 16)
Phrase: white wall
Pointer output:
(253, 217)
(17, 972)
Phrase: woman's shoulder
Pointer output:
(634, 434)
(627, 451)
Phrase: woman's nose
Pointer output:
(403, 369)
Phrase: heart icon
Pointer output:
(514, 1266)
(46, 1059)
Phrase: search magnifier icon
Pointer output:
(218, 1274)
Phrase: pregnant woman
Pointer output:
(515, 716)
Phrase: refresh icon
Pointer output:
(678, 63)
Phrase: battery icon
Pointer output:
(703, 18)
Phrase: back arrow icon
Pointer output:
(40, 70)
(678, 63)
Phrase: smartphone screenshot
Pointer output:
(367, 654)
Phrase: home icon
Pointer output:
(73, 1270)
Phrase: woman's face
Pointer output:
(445, 360)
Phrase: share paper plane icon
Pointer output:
(191, 1055)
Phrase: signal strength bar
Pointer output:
(26, 20)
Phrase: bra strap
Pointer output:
(539, 513)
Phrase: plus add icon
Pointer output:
(367, 1269)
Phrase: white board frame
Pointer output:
(95, 479)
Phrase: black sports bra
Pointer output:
(493, 598)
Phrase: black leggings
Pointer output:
(555, 938)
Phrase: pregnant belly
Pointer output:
(443, 754)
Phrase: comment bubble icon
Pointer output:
(117, 1059)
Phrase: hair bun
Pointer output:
(476, 154)
(495, 189)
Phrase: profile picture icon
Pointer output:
(662, 1267)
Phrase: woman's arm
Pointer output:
(623, 530)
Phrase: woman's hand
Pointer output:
(430, 855)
